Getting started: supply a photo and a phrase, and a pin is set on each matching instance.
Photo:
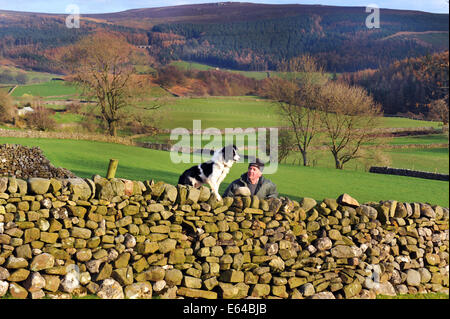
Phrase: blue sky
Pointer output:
(102, 6)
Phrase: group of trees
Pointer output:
(322, 112)
(7, 77)
(340, 41)
(414, 86)
(210, 82)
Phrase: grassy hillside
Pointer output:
(31, 76)
(86, 158)
(248, 111)
(47, 89)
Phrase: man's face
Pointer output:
(253, 174)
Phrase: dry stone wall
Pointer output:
(130, 239)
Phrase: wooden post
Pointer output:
(112, 168)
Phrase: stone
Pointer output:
(83, 233)
(323, 295)
(425, 275)
(32, 234)
(105, 272)
(260, 290)
(3, 184)
(232, 276)
(413, 277)
(192, 282)
(42, 261)
(427, 211)
(295, 282)
(210, 283)
(155, 273)
(167, 245)
(334, 234)
(277, 264)
(49, 238)
(3, 288)
(209, 241)
(51, 282)
(155, 208)
(35, 282)
(17, 291)
(368, 211)
(353, 289)
(38, 186)
(12, 185)
(110, 289)
(324, 243)
(347, 200)
(131, 210)
(4, 273)
(123, 275)
(19, 275)
(384, 288)
(229, 291)
(177, 256)
(307, 289)
(84, 254)
(342, 251)
(432, 259)
(71, 280)
(242, 191)
(16, 263)
(196, 293)
(139, 290)
(79, 188)
(173, 277)
(307, 204)
(312, 226)
(193, 195)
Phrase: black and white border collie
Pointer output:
(211, 172)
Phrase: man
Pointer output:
(254, 181)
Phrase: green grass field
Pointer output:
(185, 65)
(86, 158)
(434, 160)
(420, 139)
(32, 76)
(66, 118)
(220, 112)
(47, 89)
(257, 75)
(245, 111)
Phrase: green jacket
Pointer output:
(264, 189)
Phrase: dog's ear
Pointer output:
(228, 152)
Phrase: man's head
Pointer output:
(254, 171)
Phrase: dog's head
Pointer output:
(230, 153)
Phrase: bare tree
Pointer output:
(349, 116)
(439, 110)
(296, 94)
(103, 64)
(6, 107)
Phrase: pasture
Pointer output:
(252, 112)
(54, 88)
(86, 158)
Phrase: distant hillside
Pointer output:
(242, 36)
(402, 88)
